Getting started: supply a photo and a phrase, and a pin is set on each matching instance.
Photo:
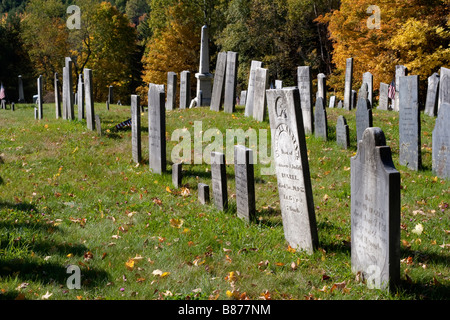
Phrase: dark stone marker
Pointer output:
(363, 115)
(375, 212)
(354, 99)
(136, 145)
(185, 89)
(320, 120)
(171, 90)
(111, 94)
(441, 143)
(203, 193)
(13, 106)
(21, 95)
(177, 174)
(431, 104)
(342, 132)
(89, 99)
(219, 82)
(292, 169)
(229, 99)
(219, 180)
(409, 123)
(245, 183)
(157, 128)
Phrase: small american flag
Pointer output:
(126, 123)
(2, 92)
(391, 92)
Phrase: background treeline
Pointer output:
(129, 44)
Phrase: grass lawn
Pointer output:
(70, 197)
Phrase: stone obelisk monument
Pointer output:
(204, 78)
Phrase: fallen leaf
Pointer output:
(418, 229)
(176, 223)
(130, 264)
(46, 295)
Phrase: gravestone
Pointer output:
(64, 94)
(259, 98)
(80, 97)
(243, 98)
(278, 84)
(157, 128)
(292, 169)
(13, 106)
(400, 71)
(363, 114)
(444, 87)
(185, 89)
(21, 95)
(111, 95)
(375, 212)
(107, 105)
(57, 96)
(383, 101)
(68, 83)
(219, 180)
(340, 105)
(98, 125)
(342, 133)
(89, 99)
(348, 84)
(354, 99)
(203, 76)
(320, 120)
(409, 123)
(441, 143)
(219, 82)
(304, 83)
(251, 88)
(245, 183)
(136, 145)
(431, 103)
(177, 174)
(322, 87)
(36, 113)
(332, 102)
(171, 90)
(368, 78)
(40, 97)
(203, 193)
(229, 100)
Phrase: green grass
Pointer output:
(70, 197)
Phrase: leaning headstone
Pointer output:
(177, 174)
(171, 90)
(136, 145)
(375, 212)
(80, 97)
(157, 128)
(243, 98)
(89, 99)
(57, 97)
(431, 103)
(219, 82)
(304, 83)
(342, 133)
(259, 99)
(229, 99)
(292, 169)
(111, 94)
(322, 87)
(348, 84)
(400, 71)
(383, 101)
(203, 193)
(40, 97)
(441, 143)
(363, 115)
(320, 120)
(409, 123)
(332, 102)
(340, 106)
(21, 95)
(444, 87)
(98, 125)
(185, 89)
(245, 182)
(251, 87)
(368, 78)
(219, 180)
(203, 76)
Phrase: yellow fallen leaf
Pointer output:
(290, 249)
(176, 223)
(130, 264)
(168, 190)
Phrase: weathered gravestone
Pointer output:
(219, 82)
(89, 99)
(136, 146)
(292, 169)
(80, 97)
(98, 125)
(251, 87)
(259, 98)
(304, 83)
(332, 102)
(375, 212)
(68, 97)
(441, 143)
(444, 87)
(400, 71)
(13, 106)
(111, 95)
(157, 128)
(243, 98)
(348, 84)
(177, 174)
(354, 99)
(57, 96)
(340, 106)
(219, 180)
(368, 78)
(203, 76)
(383, 101)
(171, 90)
(409, 123)
(245, 182)
(229, 99)
(40, 97)
(342, 132)
(278, 84)
(320, 120)
(185, 89)
(431, 103)
(203, 193)
(363, 114)
(322, 87)
(21, 95)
